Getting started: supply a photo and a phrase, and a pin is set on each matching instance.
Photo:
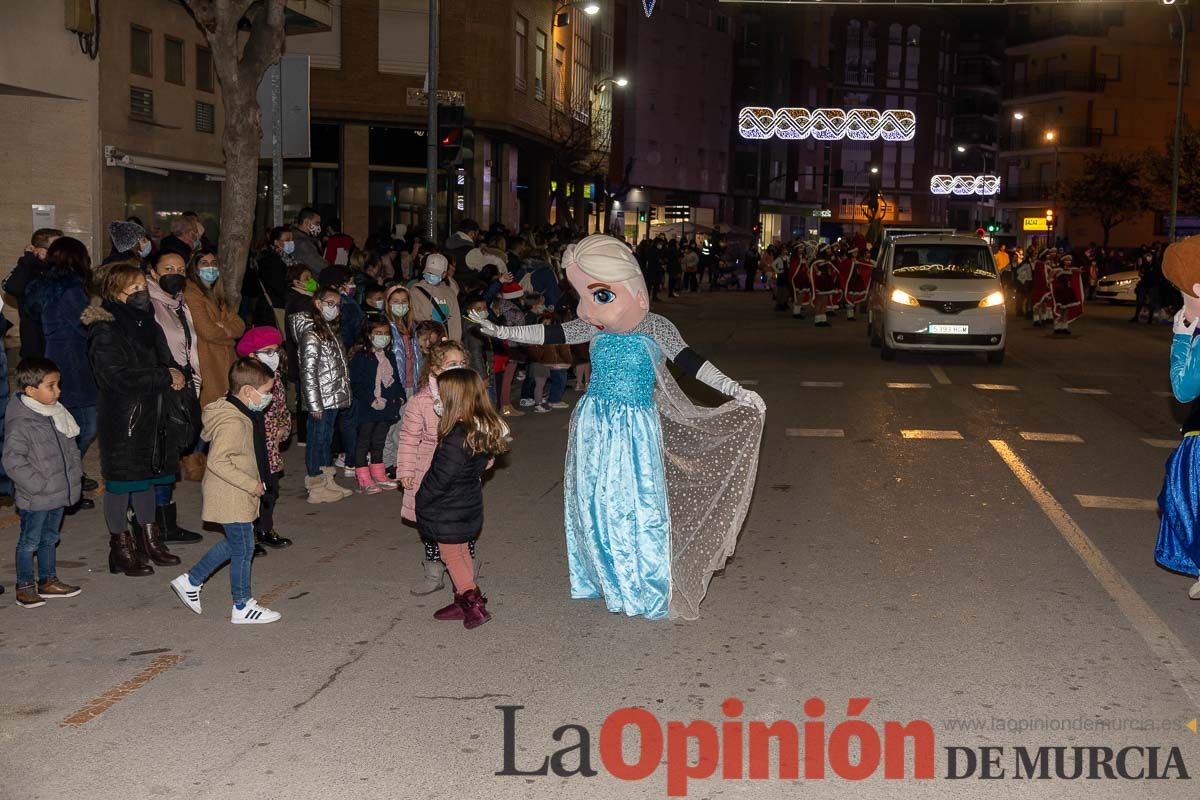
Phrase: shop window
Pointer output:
(141, 60)
(173, 60)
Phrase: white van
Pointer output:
(936, 292)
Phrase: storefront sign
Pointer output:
(43, 215)
(1035, 224)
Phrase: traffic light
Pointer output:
(1049, 217)
(993, 227)
(455, 142)
(641, 216)
(756, 228)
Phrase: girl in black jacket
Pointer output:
(449, 503)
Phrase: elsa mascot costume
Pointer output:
(656, 488)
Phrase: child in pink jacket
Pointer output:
(418, 440)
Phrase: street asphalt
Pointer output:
(976, 557)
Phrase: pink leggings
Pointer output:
(506, 384)
(457, 558)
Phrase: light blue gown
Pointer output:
(618, 522)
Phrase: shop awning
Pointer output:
(160, 166)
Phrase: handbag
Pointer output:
(178, 426)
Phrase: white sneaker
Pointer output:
(253, 614)
(340, 461)
(1194, 592)
(560, 405)
(349, 472)
(189, 594)
(541, 409)
(527, 402)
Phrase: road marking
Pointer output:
(1167, 648)
(1120, 503)
(98, 705)
(908, 386)
(939, 374)
(924, 434)
(1074, 390)
(817, 433)
(1034, 436)
(822, 384)
(1165, 444)
(997, 387)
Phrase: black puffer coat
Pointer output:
(450, 500)
(130, 360)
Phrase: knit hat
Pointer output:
(512, 291)
(332, 276)
(436, 264)
(125, 235)
(257, 338)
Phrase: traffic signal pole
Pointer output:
(431, 130)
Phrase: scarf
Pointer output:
(385, 376)
(63, 421)
(260, 437)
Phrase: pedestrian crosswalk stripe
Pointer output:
(925, 434)
(997, 387)
(822, 384)
(1122, 503)
(939, 374)
(1034, 436)
(817, 433)
(1165, 444)
(1074, 390)
(908, 386)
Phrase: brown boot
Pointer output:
(150, 543)
(124, 557)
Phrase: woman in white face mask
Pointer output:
(324, 389)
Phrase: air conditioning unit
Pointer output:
(79, 16)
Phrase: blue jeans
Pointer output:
(317, 452)
(527, 385)
(237, 548)
(39, 534)
(163, 494)
(347, 425)
(6, 485)
(558, 385)
(86, 417)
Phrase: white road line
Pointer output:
(1165, 444)
(822, 384)
(1167, 648)
(924, 434)
(908, 386)
(1119, 503)
(939, 374)
(1074, 390)
(816, 433)
(1034, 436)
(997, 387)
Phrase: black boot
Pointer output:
(272, 538)
(171, 532)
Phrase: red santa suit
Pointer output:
(799, 279)
(1040, 297)
(858, 284)
(1067, 294)
(823, 276)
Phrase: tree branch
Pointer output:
(265, 43)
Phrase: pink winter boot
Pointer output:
(364, 481)
(379, 475)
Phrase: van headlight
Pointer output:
(993, 299)
(904, 298)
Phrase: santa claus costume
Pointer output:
(823, 276)
(800, 281)
(1067, 294)
(858, 281)
(1041, 297)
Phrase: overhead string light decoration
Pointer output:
(827, 124)
(648, 5)
(965, 184)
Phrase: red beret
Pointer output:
(258, 338)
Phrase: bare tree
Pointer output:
(246, 37)
(582, 143)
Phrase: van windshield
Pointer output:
(942, 261)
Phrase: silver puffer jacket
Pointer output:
(324, 376)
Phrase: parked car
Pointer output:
(937, 293)
(1120, 287)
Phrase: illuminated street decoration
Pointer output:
(827, 124)
(965, 184)
(648, 5)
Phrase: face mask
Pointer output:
(144, 252)
(314, 229)
(310, 285)
(377, 305)
(478, 316)
(381, 341)
(539, 309)
(172, 284)
(399, 309)
(289, 246)
(330, 314)
(139, 300)
(431, 279)
(260, 404)
(270, 360)
(209, 275)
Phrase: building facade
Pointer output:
(1080, 81)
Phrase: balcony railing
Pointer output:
(1056, 82)
(1036, 139)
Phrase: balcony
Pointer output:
(1055, 83)
(1064, 137)
(1026, 192)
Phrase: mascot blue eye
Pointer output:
(603, 296)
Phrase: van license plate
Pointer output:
(951, 329)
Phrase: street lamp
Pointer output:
(1018, 116)
(563, 19)
(620, 82)
(960, 148)
(874, 170)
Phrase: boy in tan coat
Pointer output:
(236, 478)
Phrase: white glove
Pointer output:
(745, 397)
(489, 328)
(521, 334)
(1183, 325)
